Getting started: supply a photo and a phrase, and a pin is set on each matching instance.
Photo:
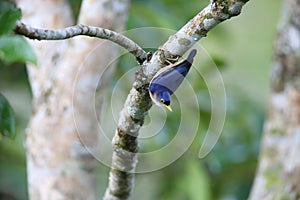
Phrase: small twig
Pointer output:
(72, 31)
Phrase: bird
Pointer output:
(168, 79)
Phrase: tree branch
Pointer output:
(72, 31)
(138, 101)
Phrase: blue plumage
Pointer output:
(168, 79)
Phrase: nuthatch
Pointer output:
(168, 79)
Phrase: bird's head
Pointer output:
(162, 98)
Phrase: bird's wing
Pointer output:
(172, 77)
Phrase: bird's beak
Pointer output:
(169, 108)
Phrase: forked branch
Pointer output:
(138, 101)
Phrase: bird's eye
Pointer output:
(162, 100)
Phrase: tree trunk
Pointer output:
(63, 86)
(278, 174)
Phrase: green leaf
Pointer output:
(16, 49)
(7, 119)
(8, 20)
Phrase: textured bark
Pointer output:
(138, 102)
(59, 166)
(278, 174)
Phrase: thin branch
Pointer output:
(138, 101)
(72, 31)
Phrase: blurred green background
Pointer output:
(242, 49)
